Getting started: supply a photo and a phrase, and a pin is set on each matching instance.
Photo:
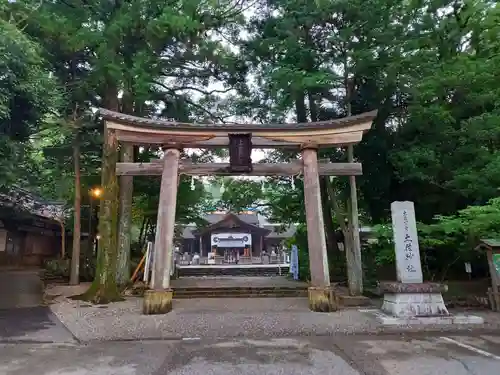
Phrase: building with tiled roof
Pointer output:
(246, 233)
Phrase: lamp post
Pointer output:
(93, 193)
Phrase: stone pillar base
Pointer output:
(157, 302)
(408, 300)
(322, 299)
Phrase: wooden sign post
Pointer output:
(492, 248)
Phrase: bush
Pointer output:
(336, 259)
(446, 243)
(300, 240)
(57, 268)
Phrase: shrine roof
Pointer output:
(160, 124)
(226, 221)
(247, 218)
(278, 232)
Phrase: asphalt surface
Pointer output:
(32, 324)
(20, 288)
(22, 316)
(336, 355)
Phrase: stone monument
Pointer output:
(410, 299)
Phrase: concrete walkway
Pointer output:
(20, 288)
(32, 324)
(22, 316)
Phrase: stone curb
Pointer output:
(381, 331)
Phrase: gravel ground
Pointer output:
(217, 318)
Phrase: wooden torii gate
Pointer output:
(239, 138)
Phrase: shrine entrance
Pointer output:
(305, 138)
(230, 241)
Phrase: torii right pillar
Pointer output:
(321, 295)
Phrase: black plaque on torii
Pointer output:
(240, 153)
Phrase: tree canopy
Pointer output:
(430, 67)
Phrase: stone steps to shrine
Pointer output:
(232, 271)
(240, 292)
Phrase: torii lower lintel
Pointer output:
(155, 168)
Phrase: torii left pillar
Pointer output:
(321, 296)
(158, 300)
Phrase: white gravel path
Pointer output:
(217, 318)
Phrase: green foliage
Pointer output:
(28, 95)
(191, 204)
(27, 92)
(285, 204)
(383, 246)
(240, 195)
(431, 69)
(300, 240)
(336, 260)
(56, 268)
(449, 240)
(449, 139)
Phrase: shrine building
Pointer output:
(233, 237)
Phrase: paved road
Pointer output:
(20, 288)
(22, 317)
(336, 355)
(32, 324)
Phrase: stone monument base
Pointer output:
(407, 300)
(389, 320)
(417, 303)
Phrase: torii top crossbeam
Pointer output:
(143, 131)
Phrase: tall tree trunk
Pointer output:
(104, 288)
(125, 221)
(142, 232)
(354, 261)
(355, 271)
(331, 241)
(63, 239)
(74, 278)
(341, 217)
(125, 204)
(300, 107)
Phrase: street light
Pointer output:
(96, 193)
